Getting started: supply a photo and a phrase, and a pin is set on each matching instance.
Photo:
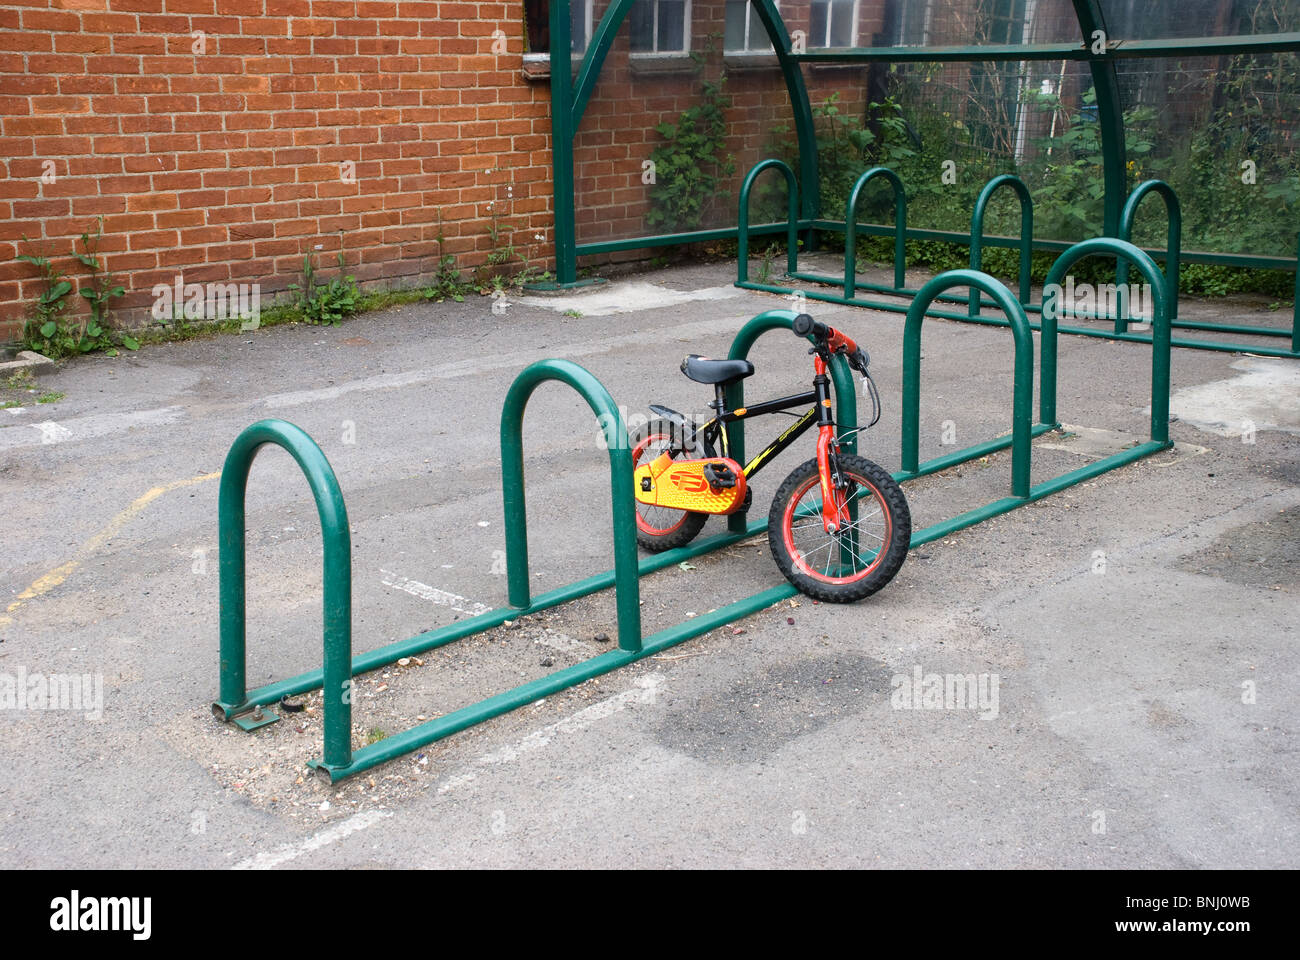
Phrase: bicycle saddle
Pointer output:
(704, 370)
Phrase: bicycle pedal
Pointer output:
(720, 476)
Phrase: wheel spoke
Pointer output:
(843, 554)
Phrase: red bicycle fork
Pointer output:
(834, 509)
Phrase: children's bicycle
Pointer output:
(839, 526)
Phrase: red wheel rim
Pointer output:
(642, 524)
(798, 558)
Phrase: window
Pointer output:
(537, 16)
(660, 26)
(833, 23)
(914, 24)
(744, 31)
(579, 24)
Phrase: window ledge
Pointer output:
(749, 60)
(537, 66)
(652, 64)
(820, 66)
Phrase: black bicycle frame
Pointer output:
(819, 413)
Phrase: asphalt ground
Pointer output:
(1134, 635)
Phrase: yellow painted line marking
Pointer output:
(45, 584)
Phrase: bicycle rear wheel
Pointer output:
(662, 528)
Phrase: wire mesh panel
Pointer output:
(1222, 131)
(1193, 19)
(934, 23)
(948, 127)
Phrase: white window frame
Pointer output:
(533, 57)
(907, 24)
(747, 49)
(824, 42)
(590, 5)
(668, 54)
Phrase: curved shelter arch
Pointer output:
(571, 96)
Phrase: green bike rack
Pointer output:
(849, 284)
(1160, 329)
(620, 478)
(336, 676)
(339, 760)
(851, 228)
(1026, 235)
(792, 218)
(1023, 431)
(1023, 382)
(1173, 246)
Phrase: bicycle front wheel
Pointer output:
(855, 561)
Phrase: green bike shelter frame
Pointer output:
(569, 99)
(339, 665)
(1096, 47)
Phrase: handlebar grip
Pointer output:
(804, 325)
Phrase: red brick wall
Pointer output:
(228, 165)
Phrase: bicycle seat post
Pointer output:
(719, 403)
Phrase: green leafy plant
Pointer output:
(498, 270)
(692, 164)
(448, 282)
(531, 273)
(846, 146)
(47, 331)
(326, 303)
(766, 259)
(503, 249)
(100, 289)
(49, 305)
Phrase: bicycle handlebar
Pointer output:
(832, 340)
(804, 325)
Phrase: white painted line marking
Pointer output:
(290, 851)
(644, 691)
(87, 428)
(441, 597)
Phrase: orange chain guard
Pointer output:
(682, 485)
